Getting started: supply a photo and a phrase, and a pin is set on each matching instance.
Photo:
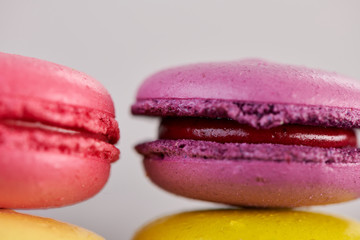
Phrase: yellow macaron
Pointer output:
(15, 226)
(250, 225)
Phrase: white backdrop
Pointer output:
(121, 42)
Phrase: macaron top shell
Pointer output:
(35, 90)
(35, 78)
(15, 225)
(253, 80)
(254, 92)
(250, 225)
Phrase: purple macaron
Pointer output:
(268, 101)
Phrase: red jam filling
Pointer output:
(224, 130)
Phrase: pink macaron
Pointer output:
(57, 130)
(253, 133)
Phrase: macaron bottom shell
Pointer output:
(250, 225)
(42, 168)
(46, 179)
(256, 183)
(15, 225)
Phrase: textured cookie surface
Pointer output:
(15, 225)
(236, 151)
(250, 225)
(258, 115)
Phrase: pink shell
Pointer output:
(253, 80)
(41, 169)
(39, 79)
(46, 179)
(40, 91)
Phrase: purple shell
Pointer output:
(262, 175)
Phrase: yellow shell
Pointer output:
(15, 226)
(250, 225)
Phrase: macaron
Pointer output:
(250, 225)
(57, 134)
(15, 225)
(253, 133)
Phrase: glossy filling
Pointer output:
(224, 130)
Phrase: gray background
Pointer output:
(121, 42)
